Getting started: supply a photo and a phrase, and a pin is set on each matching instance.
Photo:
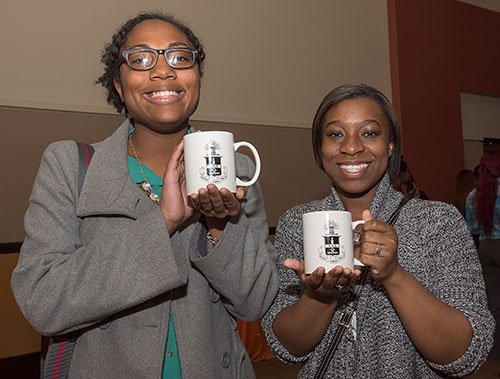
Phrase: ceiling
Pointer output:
(492, 5)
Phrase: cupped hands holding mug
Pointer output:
(422, 312)
(216, 205)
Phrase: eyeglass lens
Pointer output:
(146, 59)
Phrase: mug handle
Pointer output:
(354, 224)
(256, 156)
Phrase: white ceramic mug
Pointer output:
(209, 158)
(328, 240)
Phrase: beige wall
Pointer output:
(268, 62)
(480, 118)
(493, 5)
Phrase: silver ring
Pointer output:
(379, 249)
(356, 236)
(338, 287)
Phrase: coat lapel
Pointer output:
(108, 188)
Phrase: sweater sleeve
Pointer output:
(456, 278)
(288, 244)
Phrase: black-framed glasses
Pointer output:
(144, 58)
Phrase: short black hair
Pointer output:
(112, 59)
(353, 91)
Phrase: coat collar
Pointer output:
(108, 188)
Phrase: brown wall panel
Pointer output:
(438, 49)
(16, 335)
(288, 167)
(26, 134)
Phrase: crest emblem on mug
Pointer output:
(213, 171)
(331, 250)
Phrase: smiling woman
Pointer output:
(355, 150)
(149, 280)
(158, 97)
(420, 305)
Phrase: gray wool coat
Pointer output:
(103, 263)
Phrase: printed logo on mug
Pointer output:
(328, 240)
(209, 157)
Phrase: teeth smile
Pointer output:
(155, 95)
(354, 167)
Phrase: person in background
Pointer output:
(422, 312)
(476, 173)
(483, 218)
(405, 183)
(151, 280)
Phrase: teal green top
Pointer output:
(171, 362)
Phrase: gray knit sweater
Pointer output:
(436, 248)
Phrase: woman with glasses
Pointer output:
(148, 280)
(419, 310)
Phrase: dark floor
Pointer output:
(26, 367)
(274, 369)
(489, 370)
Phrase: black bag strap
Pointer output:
(346, 316)
(60, 348)
(85, 153)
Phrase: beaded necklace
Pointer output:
(145, 186)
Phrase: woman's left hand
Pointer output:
(379, 247)
(220, 204)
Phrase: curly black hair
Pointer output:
(112, 59)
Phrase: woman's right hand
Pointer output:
(323, 287)
(174, 202)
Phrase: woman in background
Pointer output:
(422, 312)
(150, 280)
(405, 183)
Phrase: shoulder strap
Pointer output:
(346, 316)
(59, 356)
(394, 217)
(56, 362)
(85, 153)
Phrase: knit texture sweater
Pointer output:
(434, 246)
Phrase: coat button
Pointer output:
(214, 296)
(105, 325)
(225, 359)
(170, 353)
